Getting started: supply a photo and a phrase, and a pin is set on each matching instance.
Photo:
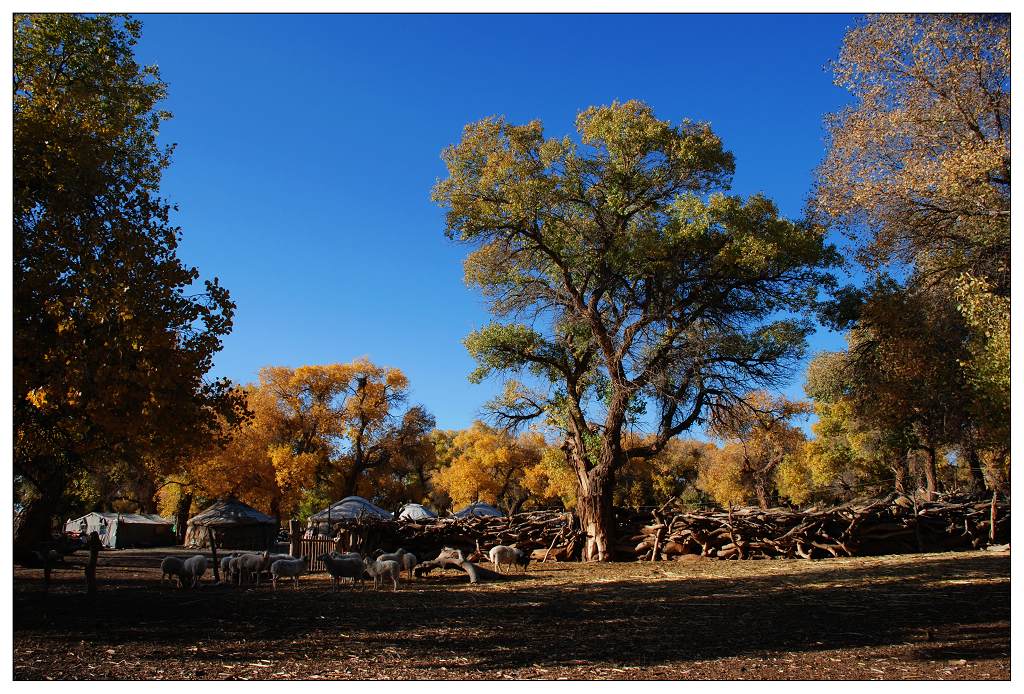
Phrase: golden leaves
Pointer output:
(485, 465)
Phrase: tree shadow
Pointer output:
(962, 603)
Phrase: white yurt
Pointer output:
(416, 512)
(119, 530)
(479, 508)
(350, 507)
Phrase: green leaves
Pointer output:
(498, 347)
(649, 290)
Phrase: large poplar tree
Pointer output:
(626, 281)
(112, 337)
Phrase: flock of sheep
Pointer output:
(249, 567)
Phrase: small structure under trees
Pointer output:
(120, 530)
(416, 512)
(350, 507)
(479, 509)
(237, 526)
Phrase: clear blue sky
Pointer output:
(307, 146)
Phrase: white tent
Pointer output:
(415, 512)
(350, 507)
(478, 508)
(117, 530)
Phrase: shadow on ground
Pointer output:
(950, 606)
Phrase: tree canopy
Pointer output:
(112, 338)
(627, 280)
(918, 174)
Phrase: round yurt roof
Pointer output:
(230, 512)
(415, 512)
(478, 508)
(351, 507)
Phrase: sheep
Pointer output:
(500, 554)
(175, 568)
(234, 569)
(394, 556)
(339, 567)
(195, 567)
(378, 569)
(225, 567)
(407, 562)
(252, 565)
(286, 568)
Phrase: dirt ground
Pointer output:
(931, 616)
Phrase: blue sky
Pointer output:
(307, 146)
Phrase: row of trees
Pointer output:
(634, 298)
(918, 175)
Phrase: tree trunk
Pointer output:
(763, 499)
(763, 486)
(349, 481)
(977, 474)
(33, 526)
(145, 493)
(594, 508)
(181, 515)
(930, 476)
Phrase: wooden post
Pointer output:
(90, 568)
(212, 534)
(294, 538)
(992, 519)
(917, 526)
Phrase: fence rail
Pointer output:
(315, 547)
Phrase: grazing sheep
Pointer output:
(234, 569)
(175, 568)
(500, 554)
(196, 567)
(379, 570)
(288, 568)
(225, 562)
(407, 562)
(252, 565)
(339, 567)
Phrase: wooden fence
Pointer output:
(317, 546)
(359, 539)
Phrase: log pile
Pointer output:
(551, 534)
(892, 525)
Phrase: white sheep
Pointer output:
(175, 568)
(288, 568)
(379, 570)
(339, 567)
(195, 567)
(501, 554)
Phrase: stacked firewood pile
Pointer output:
(884, 526)
(554, 534)
(892, 525)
